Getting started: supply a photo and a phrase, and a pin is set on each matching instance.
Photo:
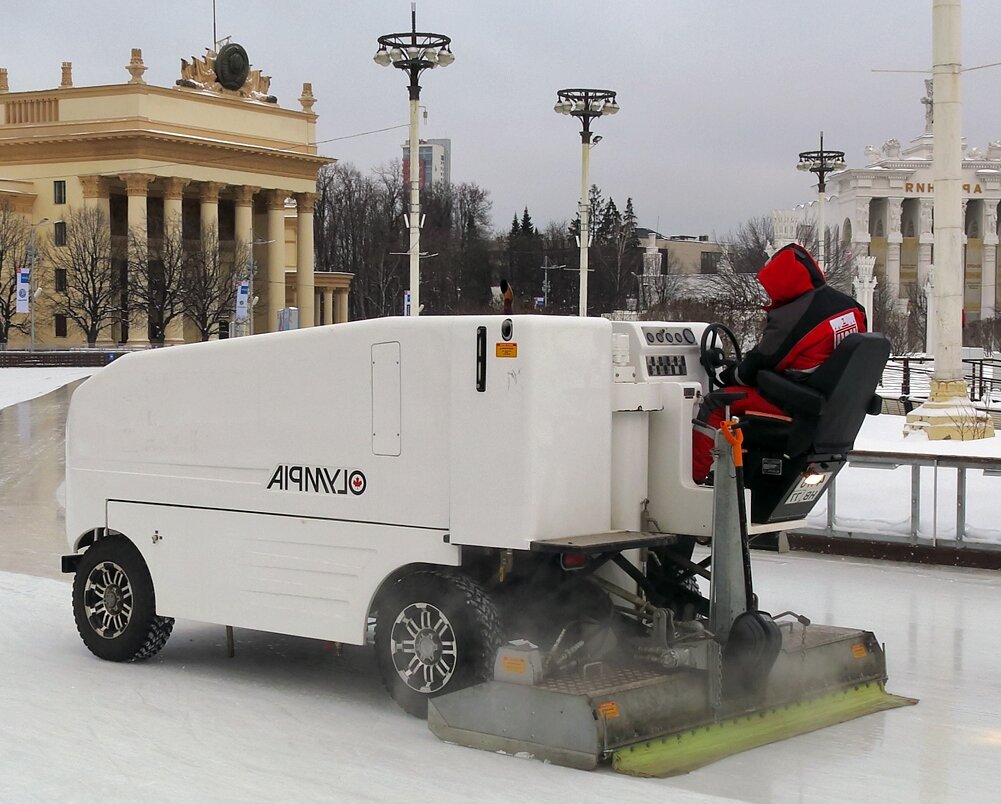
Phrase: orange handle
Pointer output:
(735, 438)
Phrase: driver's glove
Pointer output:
(728, 375)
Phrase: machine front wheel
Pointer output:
(436, 631)
(113, 603)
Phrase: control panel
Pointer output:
(664, 351)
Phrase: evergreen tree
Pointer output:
(527, 228)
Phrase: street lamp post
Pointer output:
(414, 52)
(821, 163)
(585, 105)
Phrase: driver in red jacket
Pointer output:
(807, 319)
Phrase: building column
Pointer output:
(276, 257)
(244, 206)
(894, 239)
(328, 306)
(988, 287)
(341, 302)
(173, 194)
(317, 307)
(208, 194)
(137, 188)
(244, 224)
(96, 196)
(926, 239)
(864, 285)
(304, 257)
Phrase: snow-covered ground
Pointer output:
(19, 384)
(294, 719)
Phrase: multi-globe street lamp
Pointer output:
(821, 163)
(585, 105)
(414, 52)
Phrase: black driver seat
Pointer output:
(825, 413)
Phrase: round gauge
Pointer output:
(660, 336)
(649, 337)
(669, 337)
(689, 336)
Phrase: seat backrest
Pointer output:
(848, 380)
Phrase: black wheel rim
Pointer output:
(107, 600)
(424, 648)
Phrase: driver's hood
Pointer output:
(789, 274)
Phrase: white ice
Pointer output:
(293, 720)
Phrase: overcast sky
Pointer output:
(718, 96)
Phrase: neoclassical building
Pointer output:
(885, 211)
(214, 151)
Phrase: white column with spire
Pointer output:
(948, 413)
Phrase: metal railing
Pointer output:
(916, 535)
(909, 378)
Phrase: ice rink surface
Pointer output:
(293, 719)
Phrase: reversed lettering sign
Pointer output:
(507, 350)
(843, 326)
(317, 480)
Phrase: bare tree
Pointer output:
(14, 238)
(157, 270)
(92, 298)
(745, 250)
(210, 278)
(358, 229)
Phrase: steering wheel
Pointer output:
(713, 354)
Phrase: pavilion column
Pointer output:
(304, 258)
(317, 308)
(988, 287)
(96, 196)
(894, 239)
(341, 306)
(244, 206)
(208, 194)
(173, 229)
(137, 188)
(926, 239)
(244, 224)
(276, 257)
(328, 306)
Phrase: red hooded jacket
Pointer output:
(807, 318)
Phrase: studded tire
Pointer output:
(436, 631)
(114, 605)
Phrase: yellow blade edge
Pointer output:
(688, 750)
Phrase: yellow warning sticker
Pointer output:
(608, 709)
(512, 664)
(507, 350)
(859, 651)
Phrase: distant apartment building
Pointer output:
(435, 160)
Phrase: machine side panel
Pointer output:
(271, 423)
(291, 575)
(531, 454)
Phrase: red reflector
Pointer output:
(573, 560)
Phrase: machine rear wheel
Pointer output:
(114, 605)
(436, 631)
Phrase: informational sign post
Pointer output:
(242, 300)
(24, 290)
